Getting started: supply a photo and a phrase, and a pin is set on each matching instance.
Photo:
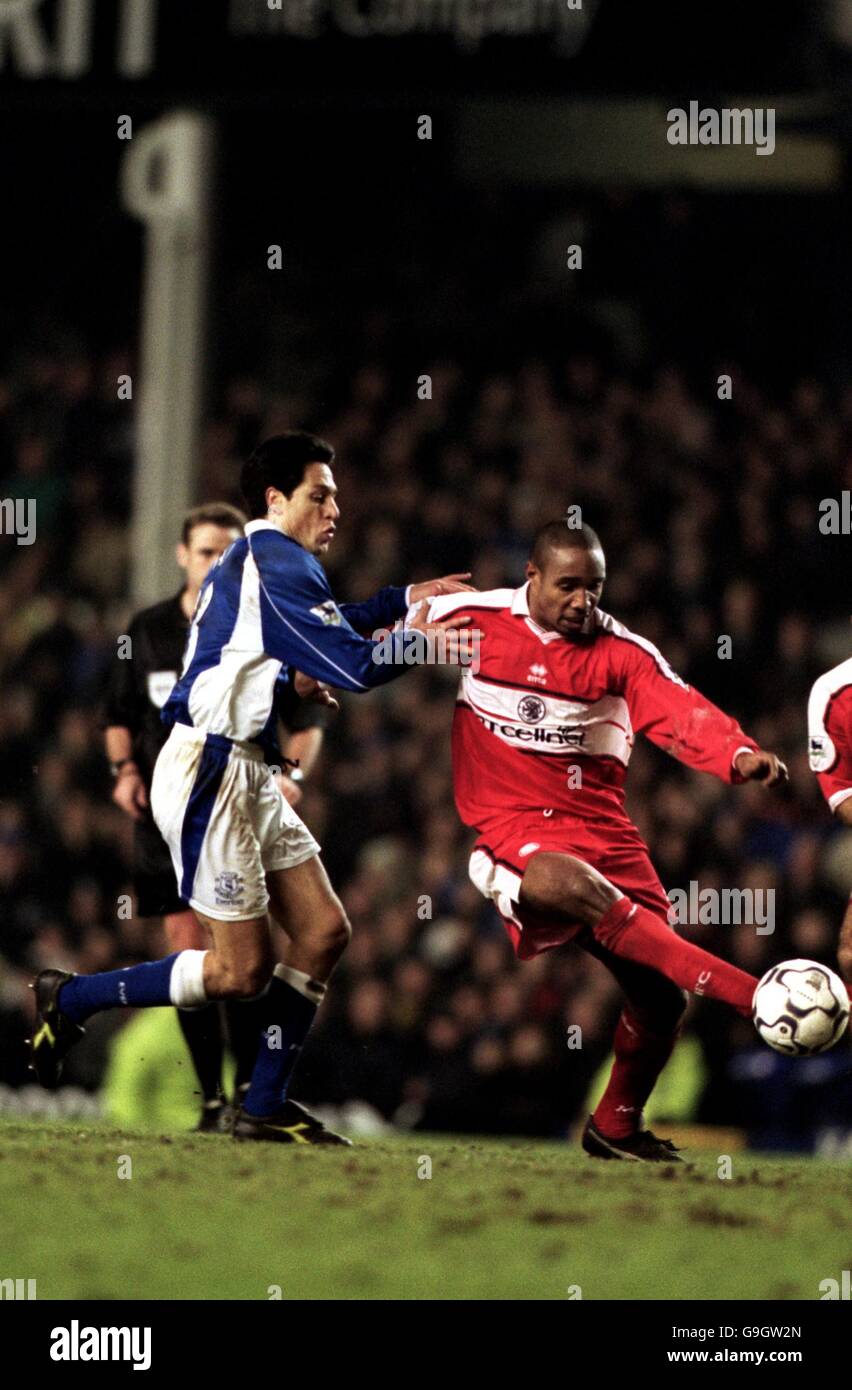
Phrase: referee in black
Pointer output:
(140, 681)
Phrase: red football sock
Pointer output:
(637, 934)
(640, 1056)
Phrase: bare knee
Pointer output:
(332, 933)
(243, 979)
(559, 883)
(317, 944)
(844, 960)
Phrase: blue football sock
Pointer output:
(136, 987)
(288, 1016)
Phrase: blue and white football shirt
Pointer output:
(266, 610)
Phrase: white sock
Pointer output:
(186, 982)
(298, 980)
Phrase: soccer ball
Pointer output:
(800, 1008)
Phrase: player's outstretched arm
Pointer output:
(304, 627)
(392, 602)
(760, 766)
(451, 644)
(679, 719)
(434, 588)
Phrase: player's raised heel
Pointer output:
(292, 1124)
(642, 1147)
(53, 1034)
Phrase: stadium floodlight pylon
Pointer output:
(165, 181)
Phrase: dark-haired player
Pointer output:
(134, 733)
(542, 737)
(239, 851)
(830, 757)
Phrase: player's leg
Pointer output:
(199, 793)
(244, 1019)
(649, 1023)
(572, 890)
(201, 1027)
(184, 932)
(304, 904)
(325, 936)
(237, 965)
(302, 901)
(157, 896)
(644, 1039)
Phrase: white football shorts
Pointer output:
(225, 822)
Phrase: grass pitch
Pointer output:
(203, 1218)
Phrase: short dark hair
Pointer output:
(558, 535)
(280, 462)
(213, 514)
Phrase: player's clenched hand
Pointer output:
(431, 588)
(453, 646)
(129, 792)
(761, 767)
(309, 689)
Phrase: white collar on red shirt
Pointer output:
(520, 600)
(521, 608)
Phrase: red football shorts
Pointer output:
(504, 850)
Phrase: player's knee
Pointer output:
(334, 932)
(844, 960)
(247, 978)
(558, 882)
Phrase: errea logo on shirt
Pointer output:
(537, 674)
(328, 613)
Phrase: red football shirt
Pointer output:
(830, 733)
(541, 707)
